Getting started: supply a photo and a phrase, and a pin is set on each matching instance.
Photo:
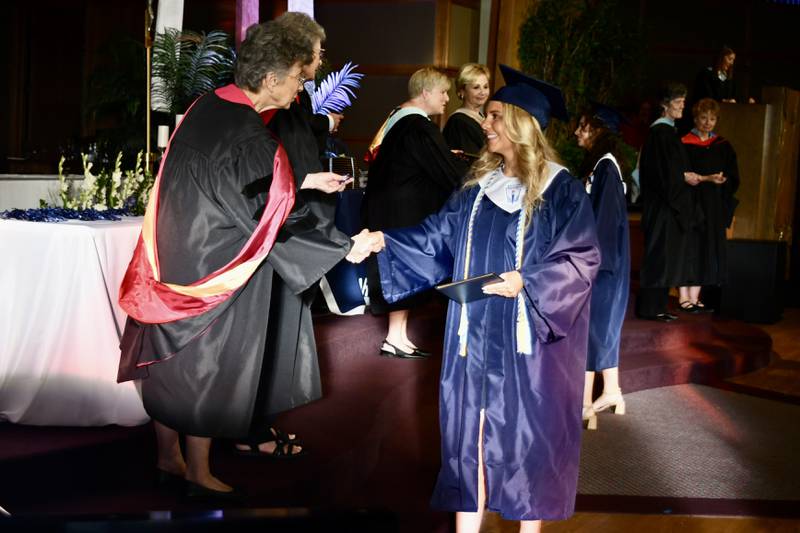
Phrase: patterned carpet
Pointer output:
(693, 441)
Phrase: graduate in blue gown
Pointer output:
(513, 363)
(597, 133)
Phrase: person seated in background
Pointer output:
(713, 159)
(601, 170)
(412, 176)
(513, 362)
(463, 129)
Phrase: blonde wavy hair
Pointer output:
(531, 150)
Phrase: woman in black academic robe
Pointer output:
(463, 129)
(200, 289)
(318, 245)
(412, 176)
(717, 82)
(713, 158)
(667, 209)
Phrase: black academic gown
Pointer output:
(319, 123)
(463, 132)
(223, 369)
(716, 201)
(668, 210)
(411, 178)
(325, 242)
(708, 85)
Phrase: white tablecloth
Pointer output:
(60, 323)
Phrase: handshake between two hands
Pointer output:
(364, 244)
(693, 178)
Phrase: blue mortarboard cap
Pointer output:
(610, 117)
(538, 98)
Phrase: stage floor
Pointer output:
(373, 439)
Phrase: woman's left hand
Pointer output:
(509, 287)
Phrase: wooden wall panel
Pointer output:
(389, 41)
(745, 126)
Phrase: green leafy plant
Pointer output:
(114, 105)
(115, 189)
(187, 64)
(589, 49)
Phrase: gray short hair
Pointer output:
(306, 28)
(267, 47)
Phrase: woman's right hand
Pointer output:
(326, 182)
(692, 178)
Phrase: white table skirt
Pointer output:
(60, 323)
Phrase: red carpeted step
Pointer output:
(698, 349)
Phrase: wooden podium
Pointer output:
(766, 138)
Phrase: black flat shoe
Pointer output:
(661, 317)
(168, 480)
(390, 350)
(419, 352)
(199, 493)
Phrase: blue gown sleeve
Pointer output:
(610, 213)
(560, 261)
(418, 257)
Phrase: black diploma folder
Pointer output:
(467, 290)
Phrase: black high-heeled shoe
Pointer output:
(390, 350)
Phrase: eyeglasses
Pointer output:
(300, 79)
(321, 53)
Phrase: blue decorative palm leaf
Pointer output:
(336, 91)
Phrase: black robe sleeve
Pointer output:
(319, 122)
(412, 176)
(463, 133)
(663, 163)
(433, 154)
(729, 188)
(309, 243)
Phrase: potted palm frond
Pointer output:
(187, 64)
